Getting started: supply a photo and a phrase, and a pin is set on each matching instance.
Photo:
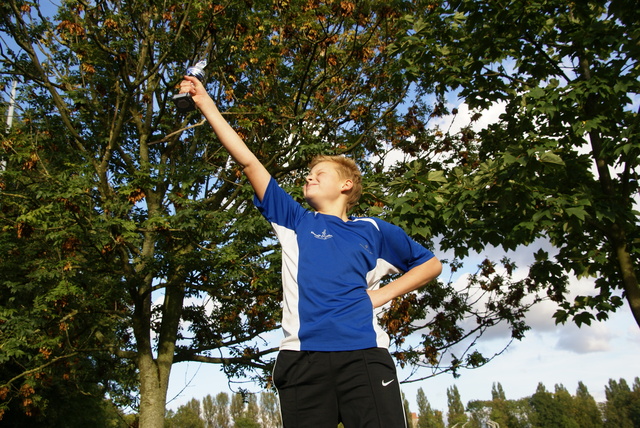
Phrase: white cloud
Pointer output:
(596, 338)
(632, 334)
(455, 123)
(559, 355)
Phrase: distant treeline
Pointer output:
(543, 409)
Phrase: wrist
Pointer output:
(380, 297)
(205, 103)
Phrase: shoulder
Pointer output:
(275, 191)
(381, 225)
(278, 205)
(365, 220)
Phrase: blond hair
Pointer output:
(347, 170)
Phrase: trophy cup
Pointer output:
(183, 102)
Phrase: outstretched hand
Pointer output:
(193, 86)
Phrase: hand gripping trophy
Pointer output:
(184, 103)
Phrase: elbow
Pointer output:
(434, 268)
(439, 267)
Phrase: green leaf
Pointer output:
(583, 318)
(550, 157)
(537, 93)
(437, 176)
(578, 212)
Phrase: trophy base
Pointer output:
(184, 103)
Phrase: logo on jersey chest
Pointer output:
(323, 236)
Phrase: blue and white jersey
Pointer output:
(327, 266)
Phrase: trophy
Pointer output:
(184, 103)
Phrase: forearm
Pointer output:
(226, 134)
(408, 282)
(257, 174)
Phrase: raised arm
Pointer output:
(254, 170)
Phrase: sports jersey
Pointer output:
(327, 266)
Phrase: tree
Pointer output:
(407, 410)
(244, 410)
(216, 411)
(546, 411)
(621, 408)
(427, 417)
(565, 402)
(131, 211)
(209, 411)
(253, 409)
(479, 411)
(587, 413)
(566, 73)
(455, 408)
(500, 410)
(634, 407)
(153, 204)
(497, 392)
(48, 312)
(223, 418)
(270, 410)
(237, 407)
(439, 418)
(251, 414)
(187, 416)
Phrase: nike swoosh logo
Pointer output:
(387, 383)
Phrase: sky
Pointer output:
(549, 354)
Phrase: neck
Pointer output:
(342, 214)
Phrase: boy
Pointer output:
(333, 365)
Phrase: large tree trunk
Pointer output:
(154, 373)
(616, 231)
(154, 380)
(616, 234)
(628, 274)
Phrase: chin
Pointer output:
(310, 202)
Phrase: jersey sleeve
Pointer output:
(399, 249)
(278, 207)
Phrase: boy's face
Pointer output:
(324, 185)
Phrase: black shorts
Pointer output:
(321, 389)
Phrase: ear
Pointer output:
(347, 185)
